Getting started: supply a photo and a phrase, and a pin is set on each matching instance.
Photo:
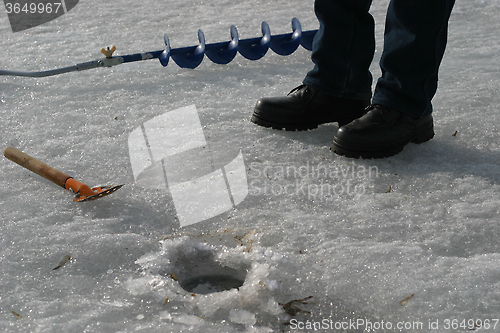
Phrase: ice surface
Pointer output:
(357, 235)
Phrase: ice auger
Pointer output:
(192, 56)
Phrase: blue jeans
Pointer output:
(414, 44)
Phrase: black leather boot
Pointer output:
(305, 108)
(381, 132)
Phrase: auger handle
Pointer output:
(38, 167)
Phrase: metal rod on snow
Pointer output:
(192, 56)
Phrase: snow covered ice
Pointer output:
(360, 236)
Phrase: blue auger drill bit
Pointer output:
(192, 56)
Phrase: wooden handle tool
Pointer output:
(83, 191)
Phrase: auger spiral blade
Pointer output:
(190, 57)
(256, 48)
(165, 55)
(288, 44)
(223, 53)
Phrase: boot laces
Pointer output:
(296, 89)
(306, 89)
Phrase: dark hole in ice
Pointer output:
(198, 272)
(211, 284)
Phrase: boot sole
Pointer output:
(423, 134)
(294, 127)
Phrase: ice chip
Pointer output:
(240, 316)
(190, 320)
(165, 315)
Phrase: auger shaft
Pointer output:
(192, 56)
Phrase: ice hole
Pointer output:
(213, 283)
(197, 271)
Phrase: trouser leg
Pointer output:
(414, 44)
(343, 49)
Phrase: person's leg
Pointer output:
(338, 89)
(343, 49)
(414, 44)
